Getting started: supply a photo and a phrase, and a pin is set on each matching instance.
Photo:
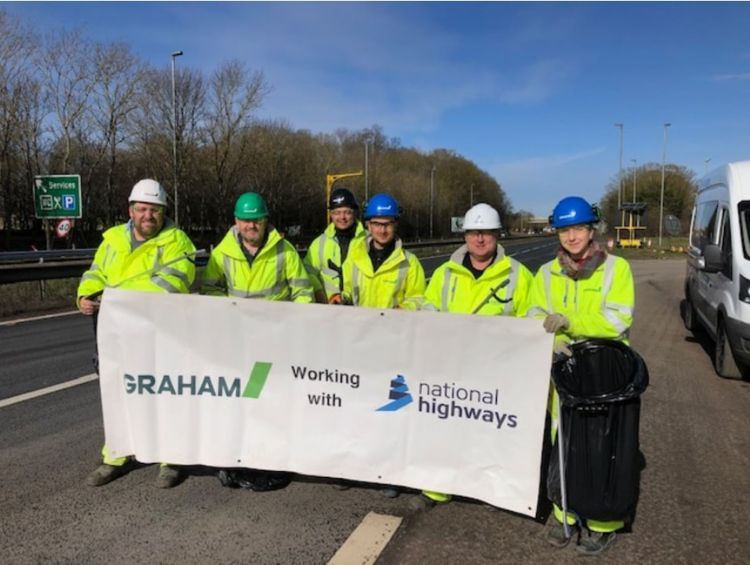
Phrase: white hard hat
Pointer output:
(148, 190)
(481, 217)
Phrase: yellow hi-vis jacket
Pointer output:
(277, 272)
(503, 289)
(144, 269)
(326, 248)
(600, 306)
(398, 282)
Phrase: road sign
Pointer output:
(457, 224)
(57, 196)
(63, 228)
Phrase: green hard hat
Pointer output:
(250, 206)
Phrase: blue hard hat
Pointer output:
(573, 211)
(382, 205)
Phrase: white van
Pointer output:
(717, 283)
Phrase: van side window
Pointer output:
(744, 217)
(726, 245)
(704, 225)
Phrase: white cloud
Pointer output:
(353, 65)
(737, 76)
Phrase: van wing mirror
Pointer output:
(713, 258)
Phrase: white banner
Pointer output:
(444, 402)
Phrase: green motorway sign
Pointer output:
(57, 196)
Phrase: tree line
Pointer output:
(643, 183)
(69, 105)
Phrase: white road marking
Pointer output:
(367, 541)
(48, 390)
(46, 316)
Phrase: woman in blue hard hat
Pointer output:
(584, 293)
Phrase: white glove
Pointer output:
(562, 348)
(555, 322)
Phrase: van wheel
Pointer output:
(724, 362)
(689, 317)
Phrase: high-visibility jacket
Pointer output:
(151, 267)
(599, 306)
(277, 272)
(323, 259)
(502, 289)
(398, 282)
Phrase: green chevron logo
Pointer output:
(257, 381)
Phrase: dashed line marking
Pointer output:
(367, 541)
(45, 317)
(47, 390)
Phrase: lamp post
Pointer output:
(663, 163)
(619, 175)
(175, 54)
(367, 152)
(432, 196)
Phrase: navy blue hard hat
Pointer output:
(382, 205)
(342, 198)
(573, 211)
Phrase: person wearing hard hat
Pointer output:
(379, 272)
(148, 254)
(254, 261)
(584, 293)
(479, 278)
(327, 252)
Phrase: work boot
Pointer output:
(422, 503)
(555, 534)
(390, 492)
(168, 477)
(104, 474)
(593, 543)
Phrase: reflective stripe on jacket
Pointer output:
(398, 282)
(600, 306)
(144, 269)
(277, 272)
(326, 248)
(502, 290)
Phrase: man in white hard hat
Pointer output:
(148, 254)
(479, 278)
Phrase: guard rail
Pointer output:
(23, 266)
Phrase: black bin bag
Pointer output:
(599, 388)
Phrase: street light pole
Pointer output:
(367, 151)
(175, 54)
(619, 175)
(663, 163)
(432, 196)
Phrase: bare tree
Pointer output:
(154, 126)
(16, 50)
(118, 74)
(68, 80)
(233, 94)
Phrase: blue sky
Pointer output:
(528, 91)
